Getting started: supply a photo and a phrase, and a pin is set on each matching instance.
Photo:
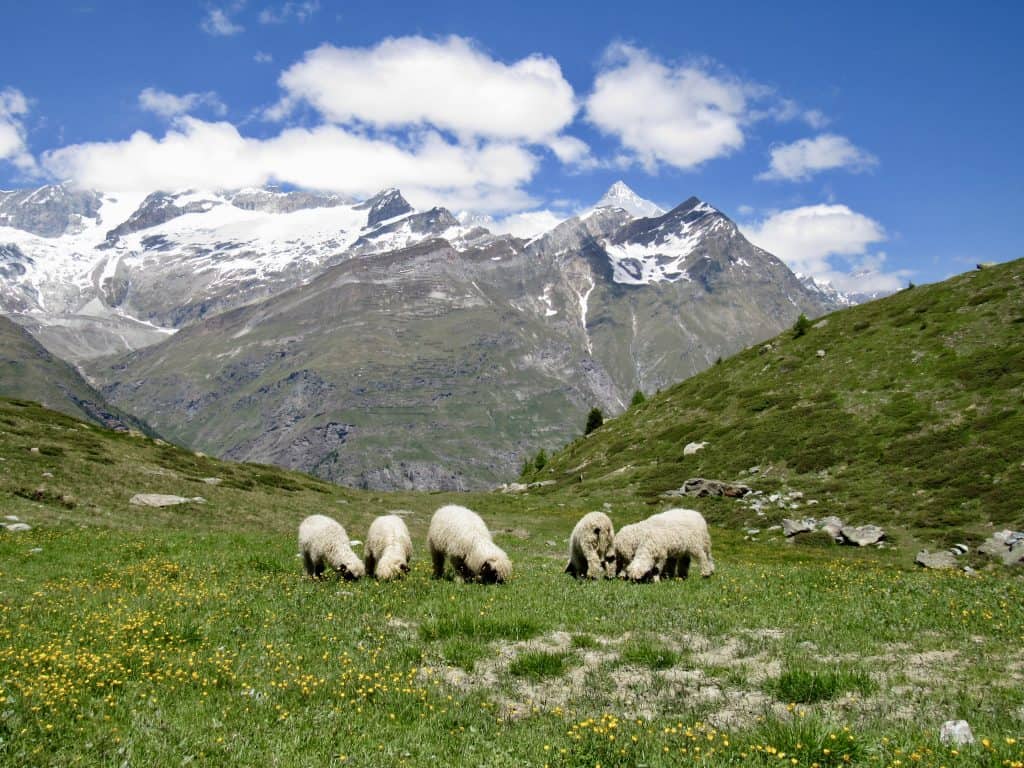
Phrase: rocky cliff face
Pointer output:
(49, 211)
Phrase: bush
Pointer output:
(801, 326)
(540, 460)
(594, 420)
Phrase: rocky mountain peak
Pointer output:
(48, 211)
(619, 195)
(385, 205)
(160, 207)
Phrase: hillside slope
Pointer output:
(906, 411)
(28, 371)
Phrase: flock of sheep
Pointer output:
(662, 545)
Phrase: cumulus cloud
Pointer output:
(218, 21)
(299, 11)
(169, 105)
(676, 115)
(448, 84)
(528, 223)
(195, 153)
(13, 146)
(813, 238)
(804, 158)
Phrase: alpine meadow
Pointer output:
(511, 385)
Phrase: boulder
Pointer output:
(699, 486)
(16, 527)
(861, 535)
(957, 732)
(821, 353)
(792, 527)
(162, 500)
(212, 480)
(1005, 546)
(691, 448)
(513, 487)
(832, 525)
(941, 561)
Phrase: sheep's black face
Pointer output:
(345, 573)
(489, 574)
(404, 567)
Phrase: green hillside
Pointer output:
(913, 416)
(28, 370)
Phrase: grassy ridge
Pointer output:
(912, 418)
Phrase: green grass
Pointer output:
(538, 665)
(647, 653)
(188, 635)
(802, 685)
(911, 420)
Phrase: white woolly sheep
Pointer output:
(589, 546)
(323, 542)
(460, 535)
(628, 539)
(670, 540)
(388, 548)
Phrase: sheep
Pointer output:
(628, 539)
(671, 539)
(459, 534)
(323, 541)
(388, 548)
(589, 546)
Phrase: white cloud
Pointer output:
(810, 239)
(429, 169)
(300, 11)
(13, 146)
(217, 21)
(804, 158)
(448, 84)
(170, 105)
(528, 223)
(681, 116)
(261, 57)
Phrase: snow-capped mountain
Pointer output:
(94, 274)
(837, 298)
(621, 196)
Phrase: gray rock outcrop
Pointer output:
(941, 561)
(163, 500)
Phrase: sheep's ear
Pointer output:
(405, 567)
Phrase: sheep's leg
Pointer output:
(461, 571)
(318, 569)
(438, 560)
(594, 567)
(683, 566)
(371, 565)
(307, 561)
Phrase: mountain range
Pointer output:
(374, 344)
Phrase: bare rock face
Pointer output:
(942, 561)
(385, 205)
(163, 500)
(863, 535)
(49, 211)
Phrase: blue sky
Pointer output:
(875, 135)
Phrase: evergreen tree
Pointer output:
(540, 460)
(638, 397)
(801, 326)
(594, 420)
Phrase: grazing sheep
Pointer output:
(460, 535)
(388, 548)
(671, 539)
(628, 539)
(323, 542)
(589, 546)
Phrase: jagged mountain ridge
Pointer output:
(439, 364)
(94, 274)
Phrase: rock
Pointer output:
(1006, 546)
(792, 527)
(551, 543)
(33, 449)
(936, 560)
(691, 448)
(754, 470)
(821, 323)
(541, 484)
(212, 480)
(765, 349)
(158, 441)
(16, 527)
(753, 531)
(862, 535)
(820, 353)
(199, 455)
(47, 474)
(162, 500)
(513, 487)
(956, 732)
(12, 518)
(832, 525)
(699, 486)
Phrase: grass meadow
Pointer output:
(189, 635)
